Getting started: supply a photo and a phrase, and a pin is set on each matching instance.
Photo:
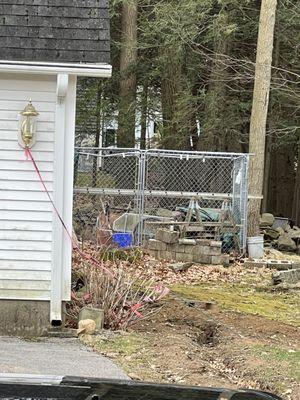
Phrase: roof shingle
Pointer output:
(55, 31)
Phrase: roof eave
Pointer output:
(100, 70)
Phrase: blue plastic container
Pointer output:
(123, 239)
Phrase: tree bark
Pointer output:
(170, 88)
(296, 199)
(144, 115)
(127, 92)
(214, 138)
(259, 113)
(272, 123)
(266, 186)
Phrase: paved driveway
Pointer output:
(54, 357)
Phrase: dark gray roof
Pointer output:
(55, 30)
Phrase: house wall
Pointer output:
(25, 212)
(35, 252)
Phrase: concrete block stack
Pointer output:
(168, 246)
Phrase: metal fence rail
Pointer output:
(155, 186)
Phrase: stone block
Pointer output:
(202, 258)
(177, 248)
(187, 241)
(153, 253)
(184, 257)
(215, 243)
(204, 242)
(204, 250)
(220, 260)
(253, 263)
(215, 251)
(154, 244)
(167, 236)
(188, 249)
(187, 257)
(95, 314)
(291, 277)
(166, 255)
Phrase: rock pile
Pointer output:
(283, 238)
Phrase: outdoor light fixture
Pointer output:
(28, 125)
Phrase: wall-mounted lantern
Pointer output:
(28, 125)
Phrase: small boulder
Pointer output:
(287, 228)
(271, 233)
(285, 243)
(280, 230)
(293, 234)
(267, 219)
(86, 326)
(180, 266)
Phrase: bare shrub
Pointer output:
(124, 299)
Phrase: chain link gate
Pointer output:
(148, 189)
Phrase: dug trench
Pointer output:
(199, 344)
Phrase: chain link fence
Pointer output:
(135, 192)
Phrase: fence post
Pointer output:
(245, 200)
(140, 195)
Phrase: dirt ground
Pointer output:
(224, 327)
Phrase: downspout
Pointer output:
(58, 187)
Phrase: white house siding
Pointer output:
(25, 212)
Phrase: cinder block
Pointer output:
(167, 236)
(185, 257)
(252, 263)
(187, 242)
(215, 243)
(215, 251)
(291, 276)
(154, 244)
(202, 250)
(280, 265)
(96, 314)
(179, 248)
(204, 242)
(153, 253)
(171, 246)
(188, 249)
(220, 260)
(202, 258)
(165, 255)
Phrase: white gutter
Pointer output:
(94, 70)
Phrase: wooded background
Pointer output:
(194, 63)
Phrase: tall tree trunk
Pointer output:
(285, 180)
(178, 108)
(214, 138)
(128, 57)
(170, 88)
(296, 199)
(144, 115)
(259, 113)
(272, 127)
(266, 187)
